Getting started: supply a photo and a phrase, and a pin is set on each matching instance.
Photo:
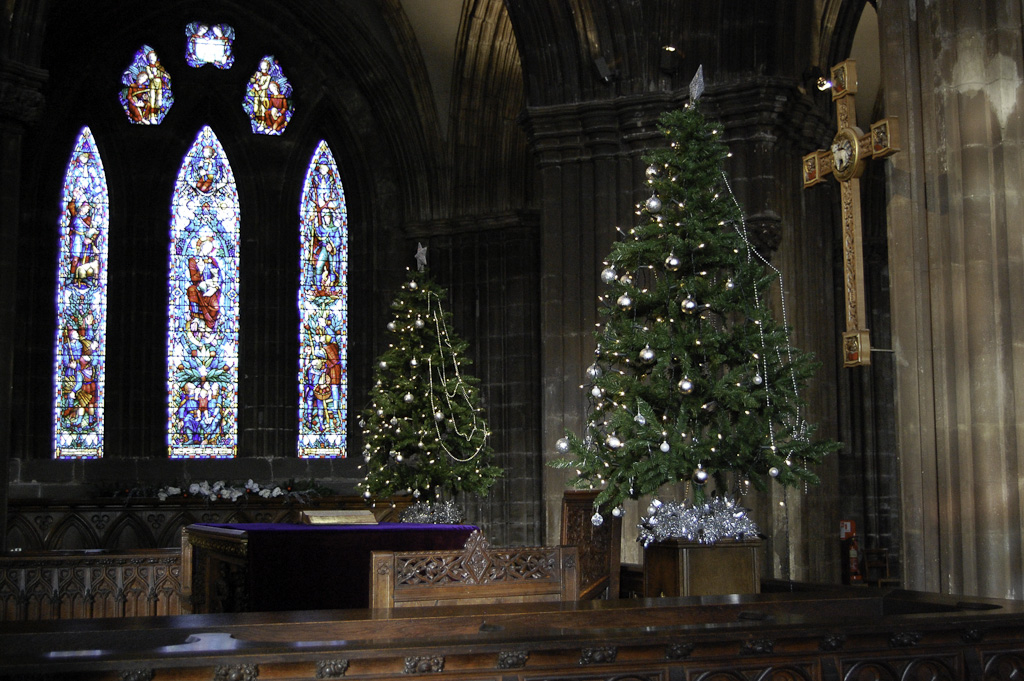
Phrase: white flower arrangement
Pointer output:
(221, 490)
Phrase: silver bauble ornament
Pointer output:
(562, 446)
(672, 263)
(391, 326)
(413, 285)
(617, 511)
(685, 386)
(625, 302)
(652, 171)
(689, 305)
(608, 275)
(626, 280)
(366, 494)
(398, 457)
(613, 442)
(593, 371)
(596, 392)
(414, 362)
(418, 323)
(416, 494)
(647, 355)
(773, 471)
(383, 364)
(640, 420)
(597, 519)
(653, 204)
(664, 447)
(700, 476)
(439, 416)
(408, 398)
(758, 380)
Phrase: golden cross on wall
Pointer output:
(845, 160)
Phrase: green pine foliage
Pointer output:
(694, 379)
(425, 432)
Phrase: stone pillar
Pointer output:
(769, 124)
(589, 177)
(20, 102)
(953, 73)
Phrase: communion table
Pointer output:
(256, 567)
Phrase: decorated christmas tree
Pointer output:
(694, 379)
(425, 432)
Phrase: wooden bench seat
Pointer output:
(477, 574)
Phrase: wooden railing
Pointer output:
(90, 584)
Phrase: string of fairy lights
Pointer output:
(796, 425)
(476, 423)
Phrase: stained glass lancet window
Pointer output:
(323, 310)
(202, 330)
(268, 98)
(81, 347)
(207, 44)
(146, 96)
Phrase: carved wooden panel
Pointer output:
(122, 524)
(46, 587)
(478, 573)
(934, 667)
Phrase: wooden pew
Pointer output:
(598, 545)
(478, 574)
(806, 634)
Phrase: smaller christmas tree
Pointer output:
(425, 431)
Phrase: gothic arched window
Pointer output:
(202, 332)
(80, 347)
(323, 309)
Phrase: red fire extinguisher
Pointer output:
(855, 574)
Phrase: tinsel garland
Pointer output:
(437, 513)
(718, 518)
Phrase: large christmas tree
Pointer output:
(425, 432)
(694, 379)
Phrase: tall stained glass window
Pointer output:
(202, 330)
(268, 98)
(80, 347)
(323, 310)
(146, 95)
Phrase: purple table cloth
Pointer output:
(318, 567)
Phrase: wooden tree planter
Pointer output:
(676, 567)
